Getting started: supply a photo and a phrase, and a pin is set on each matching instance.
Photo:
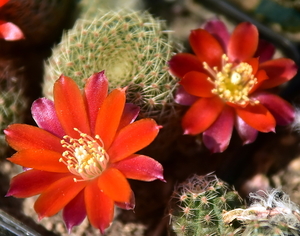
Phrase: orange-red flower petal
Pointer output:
(2, 2)
(57, 196)
(109, 116)
(114, 184)
(21, 136)
(206, 47)
(140, 167)
(217, 137)
(201, 115)
(95, 91)
(258, 117)
(133, 138)
(39, 159)
(99, 207)
(32, 182)
(197, 84)
(279, 71)
(70, 107)
(127, 205)
(182, 63)
(261, 76)
(243, 42)
(254, 63)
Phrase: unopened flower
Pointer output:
(225, 83)
(79, 157)
(8, 30)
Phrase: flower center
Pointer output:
(233, 82)
(84, 157)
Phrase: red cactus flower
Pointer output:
(8, 30)
(225, 85)
(79, 157)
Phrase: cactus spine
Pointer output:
(13, 102)
(269, 214)
(132, 47)
(201, 201)
(207, 206)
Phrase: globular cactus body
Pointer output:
(201, 201)
(132, 47)
(206, 206)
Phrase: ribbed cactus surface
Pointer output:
(132, 47)
(207, 206)
(200, 203)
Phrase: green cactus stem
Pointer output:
(13, 102)
(200, 202)
(207, 206)
(89, 8)
(132, 47)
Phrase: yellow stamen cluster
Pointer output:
(233, 82)
(84, 157)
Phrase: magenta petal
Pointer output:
(265, 50)
(95, 92)
(74, 212)
(127, 205)
(182, 97)
(10, 32)
(129, 115)
(283, 112)
(44, 114)
(245, 131)
(219, 30)
(140, 167)
(217, 137)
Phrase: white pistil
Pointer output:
(235, 78)
(84, 157)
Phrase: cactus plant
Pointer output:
(89, 8)
(206, 206)
(201, 201)
(132, 47)
(13, 102)
(271, 213)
